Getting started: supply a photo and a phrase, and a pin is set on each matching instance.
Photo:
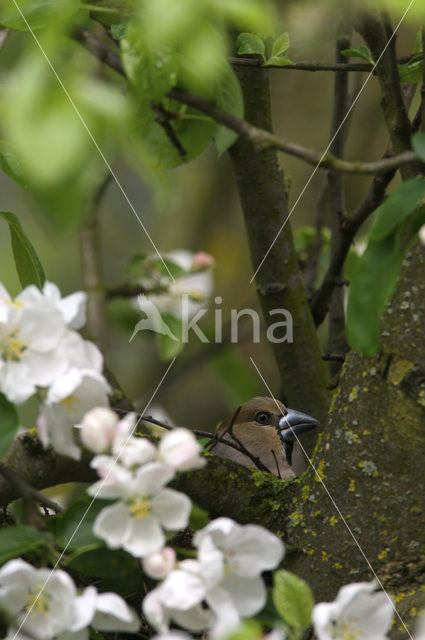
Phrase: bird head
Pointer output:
(262, 434)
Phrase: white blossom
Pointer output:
(180, 449)
(44, 604)
(136, 521)
(357, 612)
(69, 398)
(29, 339)
(232, 557)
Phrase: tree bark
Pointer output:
(263, 194)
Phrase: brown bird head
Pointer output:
(261, 433)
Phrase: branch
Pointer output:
(26, 490)
(40, 468)
(349, 228)
(263, 139)
(312, 65)
(128, 290)
(91, 269)
(378, 35)
(4, 34)
(336, 326)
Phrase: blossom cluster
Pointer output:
(42, 604)
(134, 473)
(230, 557)
(42, 352)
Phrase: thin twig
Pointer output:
(26, 490)
(163, 117)
(312, 65)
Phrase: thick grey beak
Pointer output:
(294, 424)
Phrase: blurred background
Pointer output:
(201, 211)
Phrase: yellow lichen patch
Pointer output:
(333, 521)
(399, 597)
(320, 475)
(382, 555)
(337, 565)
(413, 612)
(296, 518)
(365, 389)
(325, 556)
(305, 492)
(366, 432)
(352, 485)
(398, 369)
(353, 394)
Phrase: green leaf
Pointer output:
(15, 541)
(293, 599)
(38, 13)
(114, 566)
(247, 630)
(198, 517)
(74, 527)
(395, 209)
(418, 144)
(281, 61)
(9, 423)
(152, 72)
(360, 52)
(374, 280)
(280, 45)
(250, 44)
(228, 95)
(412, 71)
(10, 165)
(28, 266)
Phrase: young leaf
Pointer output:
(279, 61)
(10, 164)
(395, 209)
(360, 52)
(412, 71)
(374, 280)
(418, 144)
(293, 599)
(9, 423)
(250, 44)
(280, 45)
(228, 95)
(114, 566)
(15, 541)
(28, 266)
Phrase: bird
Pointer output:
(261, 433)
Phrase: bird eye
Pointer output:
(262, 417)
